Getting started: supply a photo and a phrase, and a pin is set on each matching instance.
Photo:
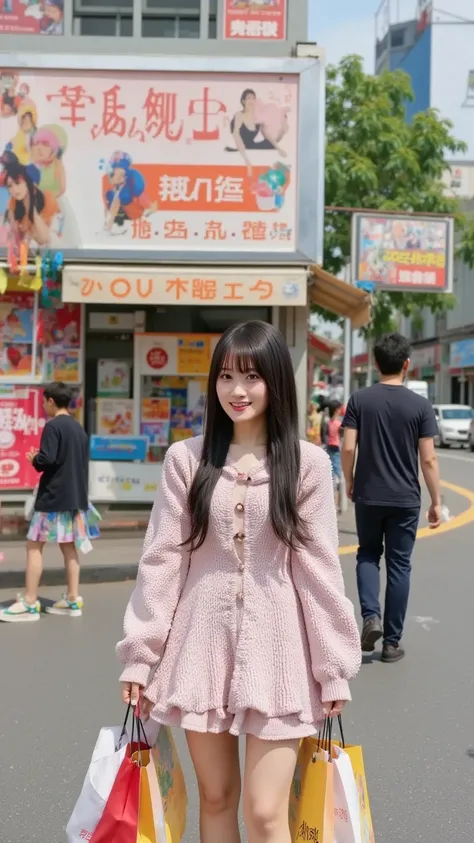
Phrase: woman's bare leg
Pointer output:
(269, 770)
(71, 563)
(216, 762)
(34, 569)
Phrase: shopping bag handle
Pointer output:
(327, 735)
(136, 723)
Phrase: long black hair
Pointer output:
(17, 172)
(260, 347)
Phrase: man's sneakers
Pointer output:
(21, 612)
(392, 653)
(69, 608)
(371, 633)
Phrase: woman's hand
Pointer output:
(133, 694)
(333, 709)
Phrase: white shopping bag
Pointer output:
(347, 827)
(30, 505)
(107, 757)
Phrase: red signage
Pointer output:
(20, 430)
(28, 17)
(157, 358)
(255, 20)
(403, 252)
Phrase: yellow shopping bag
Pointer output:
(172, 785)
(151, 822)
(311, 810)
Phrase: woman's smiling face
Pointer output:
(243, 395)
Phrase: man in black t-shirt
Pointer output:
(388, 426)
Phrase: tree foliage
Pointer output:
(375, 159)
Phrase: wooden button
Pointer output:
(240, 596)
(240, 507)
(239, 537)
(241, 566)
(241, 476)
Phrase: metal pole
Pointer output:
(370, 368)
(347, 390)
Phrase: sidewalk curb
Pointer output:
(92, 574)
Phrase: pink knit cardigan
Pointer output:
(201, 635)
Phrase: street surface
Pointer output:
(414, 719)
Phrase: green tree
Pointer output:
(374, 159)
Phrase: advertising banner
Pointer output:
(114, 416)
(130, 162)
(461, 354)
(134, 482)
(119, 448)
(30, 17)
(171, 354)
(403, 252)
(257, 20)
(20, 430)
(20, 356)
(264, 287)
(113, 378)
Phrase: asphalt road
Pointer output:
(414, 719)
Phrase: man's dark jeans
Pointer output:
(395, 527)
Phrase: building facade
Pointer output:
(156, 186)
(424, 45)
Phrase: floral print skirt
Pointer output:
(64, 527)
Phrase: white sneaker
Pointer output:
(21, 612)
(66, 607)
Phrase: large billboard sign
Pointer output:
(141, 161)
(255, 20)
(401, 252)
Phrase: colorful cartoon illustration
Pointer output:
(47, 149)
(21, 143)
(126, 199)
(52, 22)
(30, 210)
(258, 125)
(9, 98)
(271, 187)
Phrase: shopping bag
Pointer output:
(29, 506)
(109, 752)
(151, 821)
(347, 824)
(355, 755)
(311, 809)
(171, 784)
(119, 820)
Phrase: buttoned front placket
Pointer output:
(240, 497)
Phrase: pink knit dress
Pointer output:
(242, 635)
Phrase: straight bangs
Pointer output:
(253, 347)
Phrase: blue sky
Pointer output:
(348, 26)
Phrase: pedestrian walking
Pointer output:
(238, 624)
(389, 427)
(333, 447)
(61, 509)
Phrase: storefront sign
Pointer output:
(112, 322)
(256, 20)
(403, 252)
(425, 361)
(119, 448)
(171, 160)
(461, 354)
(28, 17)
(20, 430)
(111, 481)
(113, 378)
(184, 285)
(171, 354)
(114, 416)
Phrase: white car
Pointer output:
(454, 425)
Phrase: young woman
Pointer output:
(239, 602)
(333, 447)
(30, 210)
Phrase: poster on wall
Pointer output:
(20, 430)
(113, 378)
(62, 365)
(29, 17)
(114, 416)
(20, 354)
(403, 252)
(169, 354)
(255, 20)
(85, 142)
